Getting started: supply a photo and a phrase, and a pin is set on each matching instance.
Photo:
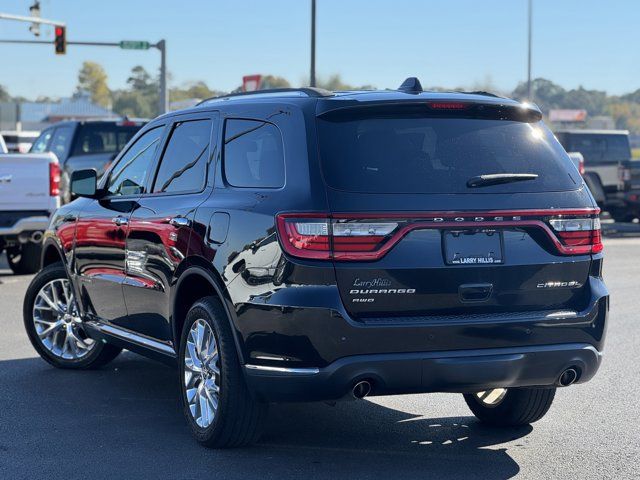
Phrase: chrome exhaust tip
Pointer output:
(36, 237)
(361, 389)
(568, 377)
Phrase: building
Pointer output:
(38, 115)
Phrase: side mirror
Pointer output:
(84, 183)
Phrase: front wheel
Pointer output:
(54, 325)
(510, 406)
(216, 401)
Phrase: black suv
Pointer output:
(304, 245)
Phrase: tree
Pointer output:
(4, 94)
(194, 90)
(141, 99)
(141, 81)
(92, 79)
(273, 81)
(335, 83)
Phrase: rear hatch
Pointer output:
(27, 181)
(447, 209)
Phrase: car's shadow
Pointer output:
(125, 421)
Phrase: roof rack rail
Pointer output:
(309, 91)
(482, 92)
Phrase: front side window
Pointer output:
(253, 154)
(184, 163)
(41, 144)
(129, 175)
(61, 142)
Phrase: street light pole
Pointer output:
(163, 99)
(312, 75)
(529, 54)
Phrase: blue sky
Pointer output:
(447, 43)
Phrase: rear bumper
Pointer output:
(27, 224)
(454, 371)
(319, 353)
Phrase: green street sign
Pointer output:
(134, 45)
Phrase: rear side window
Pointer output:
(41, 144)
(103, 138)
(184, 163)
(418, 154)
(61, 142)
(253, 154)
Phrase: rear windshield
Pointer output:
(107, 138)
(596, 147)
(20, 139)
(418, 154)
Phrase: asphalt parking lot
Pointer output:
(125, 421)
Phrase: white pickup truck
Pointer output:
(29, 193)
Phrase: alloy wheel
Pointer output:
(58, 322)
(202, 373)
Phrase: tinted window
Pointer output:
(42, 142)
(103, 138)
(19, 138)
(418, 154)
(598, 147)
(129, 175)
(184, 163)
(61, 142)
(253, 155)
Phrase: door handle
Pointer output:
(180, 222)
(120, 221)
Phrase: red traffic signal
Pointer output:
(60, 41)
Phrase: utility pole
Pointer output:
(529, 95)
(312, 75)
(163, 98)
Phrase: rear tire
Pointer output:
(57, 333)
(24, 259)
(213, 373)
(518, 406)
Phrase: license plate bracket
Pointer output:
(473, 247)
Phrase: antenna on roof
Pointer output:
(411, 85)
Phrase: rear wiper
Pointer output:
(498, 178)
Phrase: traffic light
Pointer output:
(60, 41)
(34, 10)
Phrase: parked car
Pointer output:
(28, 195)
(3, 146)
(594, 186)
(305, 245)
(608, 167)
(19, 141)
(85, 144)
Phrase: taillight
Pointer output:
(322, 238)
(370, 236)
(581, 166)
(54, 179)
(449, 105)
(578, 235)
(624, 174)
